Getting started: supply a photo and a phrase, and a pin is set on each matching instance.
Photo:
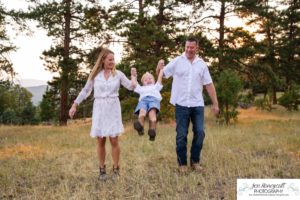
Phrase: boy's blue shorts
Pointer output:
(147, 103)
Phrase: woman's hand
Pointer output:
(72, 110)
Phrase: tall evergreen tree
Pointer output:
(75, 26)
(289, 42)
(224, 46)
(152, 33)
(265, 15)
(6, 68)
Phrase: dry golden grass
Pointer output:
(44, 162)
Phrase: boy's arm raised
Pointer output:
(160, 76)
(160, 66)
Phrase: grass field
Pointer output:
(49, 162)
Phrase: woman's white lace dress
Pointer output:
(107, 118)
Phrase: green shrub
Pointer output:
(9, 116)
(228, 87)
(128, 105)
(167, 110)
(264, 104)
(246, 100)
(291, 98)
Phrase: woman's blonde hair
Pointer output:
(146, 74)
(100, 64)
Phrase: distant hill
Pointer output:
(31, 82)
(37, 93)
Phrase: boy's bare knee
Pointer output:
(153, 119)
(142, 113)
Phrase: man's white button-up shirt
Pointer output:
(188, 80)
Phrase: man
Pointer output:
(190, 73)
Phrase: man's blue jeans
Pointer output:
(183, 117)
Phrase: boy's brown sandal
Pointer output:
(138, 127)
(152, 134)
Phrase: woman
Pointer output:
(106, 119)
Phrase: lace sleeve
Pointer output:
(85, 92)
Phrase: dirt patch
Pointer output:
(21, 151)
(252, 114)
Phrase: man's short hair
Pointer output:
(193, 39)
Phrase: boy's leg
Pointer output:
(139, 125)
(152, 124)
(142, 116)
(152, 118)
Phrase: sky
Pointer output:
(26, 59)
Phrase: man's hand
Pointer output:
(133, 72)
(215, 109)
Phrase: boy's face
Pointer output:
(148, 80)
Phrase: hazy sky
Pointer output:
(26, 60)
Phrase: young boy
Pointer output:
(149, 103)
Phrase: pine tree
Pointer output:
(75, 27)
(150, 34)
(6, 67)
(266, 17)
(289, 42)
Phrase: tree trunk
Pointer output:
(141, 11)
(291, 38)
(227, 118)
(159, 23)
(274, 97)
(271, 60)
(221, 36)
(64, 87)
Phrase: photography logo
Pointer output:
(268, 189)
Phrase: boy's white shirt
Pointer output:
(149, 90)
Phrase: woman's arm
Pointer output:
(128, 84)
(84, 93)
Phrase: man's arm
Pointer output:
(213, 96)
